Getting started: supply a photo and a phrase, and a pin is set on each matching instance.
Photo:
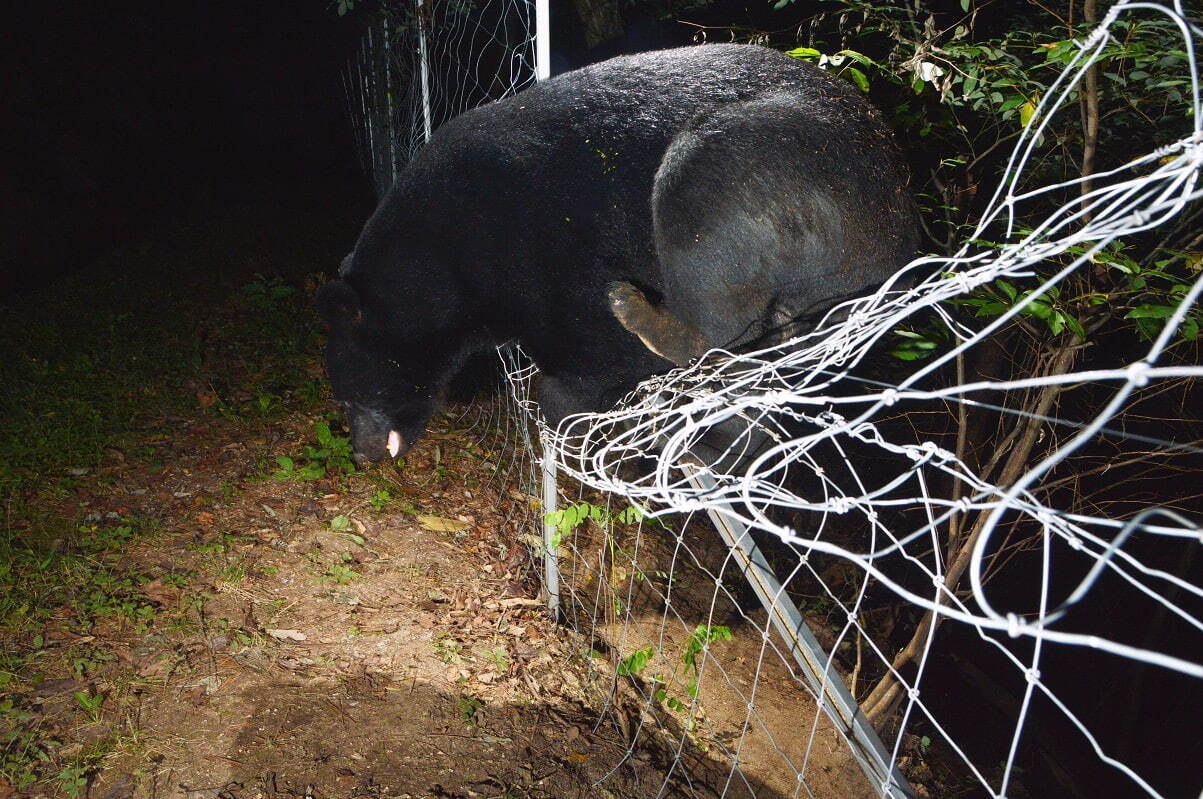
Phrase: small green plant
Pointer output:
(670, 701)
(22, 747)
(380, 499)
(567, 520)
(91, 703)
(636, 662)
(342, 525)
(73, 779)
(87, 661)
(174, 579)
(290, 471)
(448, 649)
(341, 574)
(233, 572)
(266, 293)
(500, 659)
(265, 402)
(332, 455)
(468, 707)
(699, 642)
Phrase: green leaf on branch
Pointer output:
(635, 662)
(859, 78)
(1150, 312)
(809, 53)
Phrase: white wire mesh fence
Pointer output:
(422, 62)
(878, 529)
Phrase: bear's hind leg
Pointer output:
(659, 330)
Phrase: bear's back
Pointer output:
(585, 146)
(648, 97)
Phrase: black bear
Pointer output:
(614, 220)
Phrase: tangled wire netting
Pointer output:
(422, 62)
(824, 411)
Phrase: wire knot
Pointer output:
(1138, 374)
(1014, 625)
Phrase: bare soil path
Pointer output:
(198, 600)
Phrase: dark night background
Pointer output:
(124, 114)
(121, 115)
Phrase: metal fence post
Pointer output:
(833, 696)
(551, 558)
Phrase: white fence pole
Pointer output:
(542, 39)
(424, 67)
(551, 558)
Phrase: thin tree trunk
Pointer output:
(880, 702)
(1090, 108)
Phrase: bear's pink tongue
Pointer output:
(394, 443)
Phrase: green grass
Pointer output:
(100, 362)
(102, 356)
(95, 372)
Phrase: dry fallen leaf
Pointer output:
(122, 787)
(50, 688)
(161, 667)
(441, 524)
(205, 397)
(195, 696)
(518, 602)
(287, 635)
(159, 593)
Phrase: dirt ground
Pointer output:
(197, 602)
(379, 634)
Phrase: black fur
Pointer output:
(732, 181)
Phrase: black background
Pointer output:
(121, 114)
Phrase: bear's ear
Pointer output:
(338, 305)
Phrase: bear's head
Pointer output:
(388, 394)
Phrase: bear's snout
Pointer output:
(373, 437)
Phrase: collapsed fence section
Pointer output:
(956, 583)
